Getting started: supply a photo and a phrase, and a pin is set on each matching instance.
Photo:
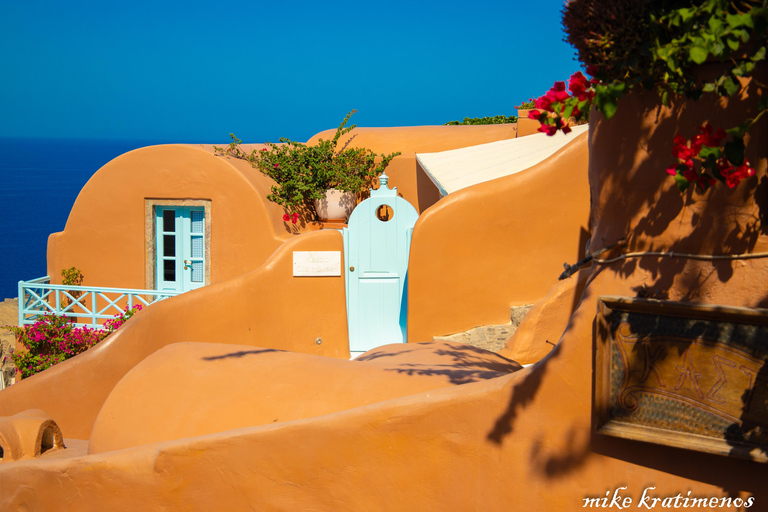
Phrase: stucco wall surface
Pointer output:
(541, 328)
(258, 386)
(266, 308)
(497, 244)
(522, 441)
(28, 434)
(420, 139)
(106, 232)
(411, 181)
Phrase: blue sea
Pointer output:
(39, 182)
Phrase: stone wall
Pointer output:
(8, 316)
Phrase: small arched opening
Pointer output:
(47, 442)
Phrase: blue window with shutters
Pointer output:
(180, 247)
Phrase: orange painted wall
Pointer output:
(526, 126)
(185, 372)
(421, 139)
(497, 244)
(266, 308)
(109, 212)
(411, 181)
(105, 233)
(521, 441)
(541, 328)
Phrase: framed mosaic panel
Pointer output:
(686, 375)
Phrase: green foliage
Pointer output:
(483, 120)
(714, 30)
(657, 44)
(304, 173)
(72, 276)
(527, 105)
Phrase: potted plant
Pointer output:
(311, 180)
(679, 51)
(525, 107)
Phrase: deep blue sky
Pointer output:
(192, 72)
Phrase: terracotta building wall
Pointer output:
(266, 308)
(106, 236)
(497, 244)
(522, 441)
(411, 181)
(237, 400)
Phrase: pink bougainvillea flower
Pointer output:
(558, 93)
(733, 175)
(707, 138)
(548, 129)
(286, 217)
(680, 148)
(543, 103)
(679, 140)
(275, 166)
(534, 114)
(578, 85)
(294, 217)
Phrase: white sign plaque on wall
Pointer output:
(316, 263)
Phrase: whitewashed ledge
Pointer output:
(460, 168)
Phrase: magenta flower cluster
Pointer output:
(112, 324)
(560, 105)
(54, 339)
(703, 160)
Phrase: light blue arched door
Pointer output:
(376, 246)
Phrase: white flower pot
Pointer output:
(337, 205)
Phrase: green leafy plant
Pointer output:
(54, 338)
(527, 105)
(483, 120)
(657, 45)
(72, 276)
(304, 173)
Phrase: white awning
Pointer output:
(460, 168)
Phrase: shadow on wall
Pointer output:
(721, 221)
(458, 363)
(745, 339)
(241, 353)
(523, 393)
(654, 216)
(462, 367)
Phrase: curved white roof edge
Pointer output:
(460, 168)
